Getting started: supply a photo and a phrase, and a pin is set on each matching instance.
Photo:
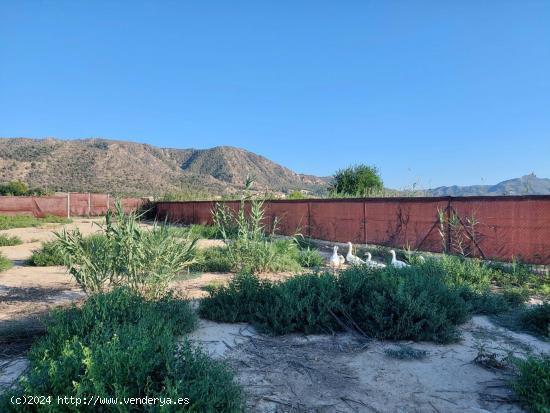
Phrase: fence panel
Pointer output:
(406, 223)
(290, 218)
(79, 204)
(338, 220)
(99, 204)
(508, 228)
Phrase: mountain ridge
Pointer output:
(525, 185)
(105, 165)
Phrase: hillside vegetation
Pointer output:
(101, 165)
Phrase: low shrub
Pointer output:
(537, 319)
(9, 241)
(473, 279)
(304, 303)
(386, 303)
(403, 304)
(238, 301)
(532, 383)
(119, 345)
(4, 263)
(23, 221)
(47, 255)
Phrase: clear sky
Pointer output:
(433, 92)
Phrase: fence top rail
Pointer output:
(490, 198)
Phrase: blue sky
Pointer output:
(432, 92)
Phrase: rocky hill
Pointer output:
(101, 165)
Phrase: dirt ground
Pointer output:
(294, 373)
(348, 373)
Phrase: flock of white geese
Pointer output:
(337, 260)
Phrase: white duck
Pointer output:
(395, 262)
(336, 260)
(352, 259)
(372, 263)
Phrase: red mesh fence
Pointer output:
(501, 228)
(78, 204)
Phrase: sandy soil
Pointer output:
(347, 373)
(341, 373)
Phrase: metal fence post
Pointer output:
(448, 216)
(89, 204)
(309, 219)
(365, 221)
(68, 205)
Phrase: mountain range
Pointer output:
(101, 165)
(121, 167)
(526, 185)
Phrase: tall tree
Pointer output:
(357, 180)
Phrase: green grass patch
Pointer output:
(4, 263)
(120, 345)
(9, 241)
(24, 221)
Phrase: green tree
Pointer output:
(357, 180)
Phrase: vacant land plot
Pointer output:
(341, 372)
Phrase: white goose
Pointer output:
(372, 263)
(395, 262)
(335, 259)
(352, 259)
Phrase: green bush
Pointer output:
(386, 303)
(23, 221)
(532, 384)
(127, 255)
(46, 256)
(537, 319)
(120, 345)
(473, 278)
(239, 301)
(403, 304)
(4, 263)
(9, 241)
(304, 303)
